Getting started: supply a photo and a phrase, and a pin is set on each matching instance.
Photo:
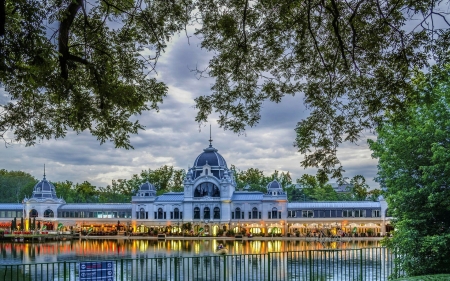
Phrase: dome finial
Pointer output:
(44, 171)
(210, 140)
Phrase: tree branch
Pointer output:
(2, 17)
(63, 40)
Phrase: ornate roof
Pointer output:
(44, 190)
(212, 158)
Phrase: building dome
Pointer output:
(210, 157)
(146, 189)
(274, 185)
(274, 188)
(44, 190)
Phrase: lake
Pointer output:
(101, 249)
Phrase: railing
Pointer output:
(353, 264)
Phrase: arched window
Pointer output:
(48, 213)
(176, 213)
(141, 213)
(237, 213)
(196, 213)
(274, 213)
(217, 213)
(34, 213)
(160, 213)
(206, 189)
(254, 213)
(206, 213)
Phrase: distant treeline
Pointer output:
(15, 185)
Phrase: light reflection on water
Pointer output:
(18, 253)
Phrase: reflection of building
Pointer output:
(209, 202)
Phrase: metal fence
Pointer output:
(352, 264)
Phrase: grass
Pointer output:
(437, 277)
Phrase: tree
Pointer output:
(413, 167)
(117, 192)
(352, 60)
(359, 188)
(15, 185)
(86, 193)
(253, 178)
(165, 178)
(79, 65)
(66, 190)
(315, 188)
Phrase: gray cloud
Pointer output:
(172, 137)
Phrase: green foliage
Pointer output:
(67, 65)
(413, 158)
(15, 185)
(165, 178)
(316, 189)
(437, 277)
(88, 74)
(359, 188)
(351, 60)
(253, 178)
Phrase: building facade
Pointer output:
(209, 205)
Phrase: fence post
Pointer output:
(65, 270)
(361, 264)
(121, 269)
(224, 267)
(268, 266)
(176, 268)
(310, 259)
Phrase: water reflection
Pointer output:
(121, 249)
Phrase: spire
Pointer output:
(44, 171)
(210, 140)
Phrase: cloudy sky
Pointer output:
(173, 137)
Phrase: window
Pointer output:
(347, 213)
(255, 213)
(196, 213)
(292, 214)
(275, 213)
(141, 213)
(376, 213)
(237, 213)
(49, 213)
(207, 189)
(307, 214)
(33, 213)
(216, 213)
(176, 213)
(359, 213)
(206, 213)
(160, 213)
